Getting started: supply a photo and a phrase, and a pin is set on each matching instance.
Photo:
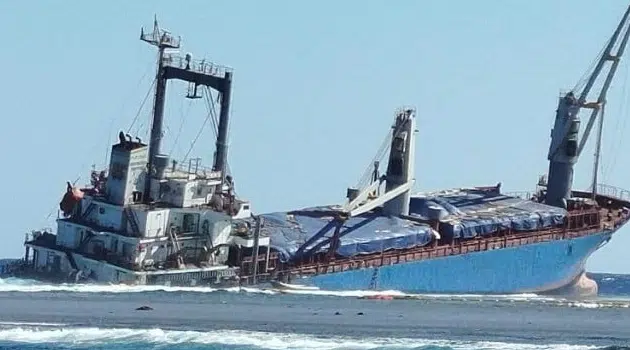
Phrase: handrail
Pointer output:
(602, 189)
(466, 246)
(519, 194)
(614, 192)
(199, 66)
(194, 167)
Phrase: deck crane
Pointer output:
(566, 147)
(399, 180)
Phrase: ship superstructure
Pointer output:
(148, 220)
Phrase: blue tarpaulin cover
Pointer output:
(465, 213)
(469, 213)
(365, 234)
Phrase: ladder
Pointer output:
(131, 219)
(177, 247)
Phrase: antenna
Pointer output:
(160, 38)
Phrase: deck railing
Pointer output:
(198, 66)
(194, 166)
(578, 224)
(602, 189)
(520, 194)
(614, 192)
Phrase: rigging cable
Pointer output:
(181, 125)
(111, 124)
(365, 178)
(208, 116)
(142, 105)
(584, 78)
(589, 71)
(211, 110)
(215, 123)
(619, 130)
(96, 144)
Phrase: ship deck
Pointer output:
(609, 214)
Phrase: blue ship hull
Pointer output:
(532, 268)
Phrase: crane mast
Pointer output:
(399, 178)
(566, 146)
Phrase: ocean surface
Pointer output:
(40, 316)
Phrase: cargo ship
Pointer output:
(148, 219)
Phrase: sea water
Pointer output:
(41, 316)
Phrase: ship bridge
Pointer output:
(148, 211)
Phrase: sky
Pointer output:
(316, 85)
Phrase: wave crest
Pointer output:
(32, 286)
(265, 340)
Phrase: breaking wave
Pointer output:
(158, 338)
(32, 286)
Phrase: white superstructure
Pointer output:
(109, 235)
(146, 219)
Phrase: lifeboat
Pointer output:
(70, 199)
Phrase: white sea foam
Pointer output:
(265, 340)
(31, 324)
(31, 286)
(28, 286)
(599, 304)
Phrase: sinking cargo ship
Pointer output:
(147, 219)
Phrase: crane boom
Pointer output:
(566, 146)
(399, 178)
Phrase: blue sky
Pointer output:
(315, 88)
